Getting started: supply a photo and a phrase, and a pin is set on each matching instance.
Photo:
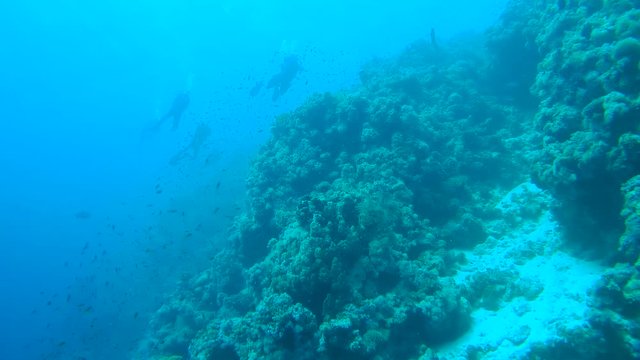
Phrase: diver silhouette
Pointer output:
(281, 81)
(178, 107)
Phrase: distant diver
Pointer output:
(180, 104)
(255, 90)
(281, 82)
(202, 133)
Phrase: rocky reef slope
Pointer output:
(457, 185)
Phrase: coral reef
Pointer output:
(589, 106)
(388, 221)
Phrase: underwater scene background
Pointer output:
(320, 180)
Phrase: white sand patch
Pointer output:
(525, 240)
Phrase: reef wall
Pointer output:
(365, 206)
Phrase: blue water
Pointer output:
(97, 224)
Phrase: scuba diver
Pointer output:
(178, 107)
(281, 81)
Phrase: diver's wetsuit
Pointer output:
(281, 81)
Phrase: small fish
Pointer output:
(432, 34)
(83, 215)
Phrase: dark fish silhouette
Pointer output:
(82, 214)
(434, 42)
(281, 81)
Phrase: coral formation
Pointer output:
(589, 105)
(388, 221)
